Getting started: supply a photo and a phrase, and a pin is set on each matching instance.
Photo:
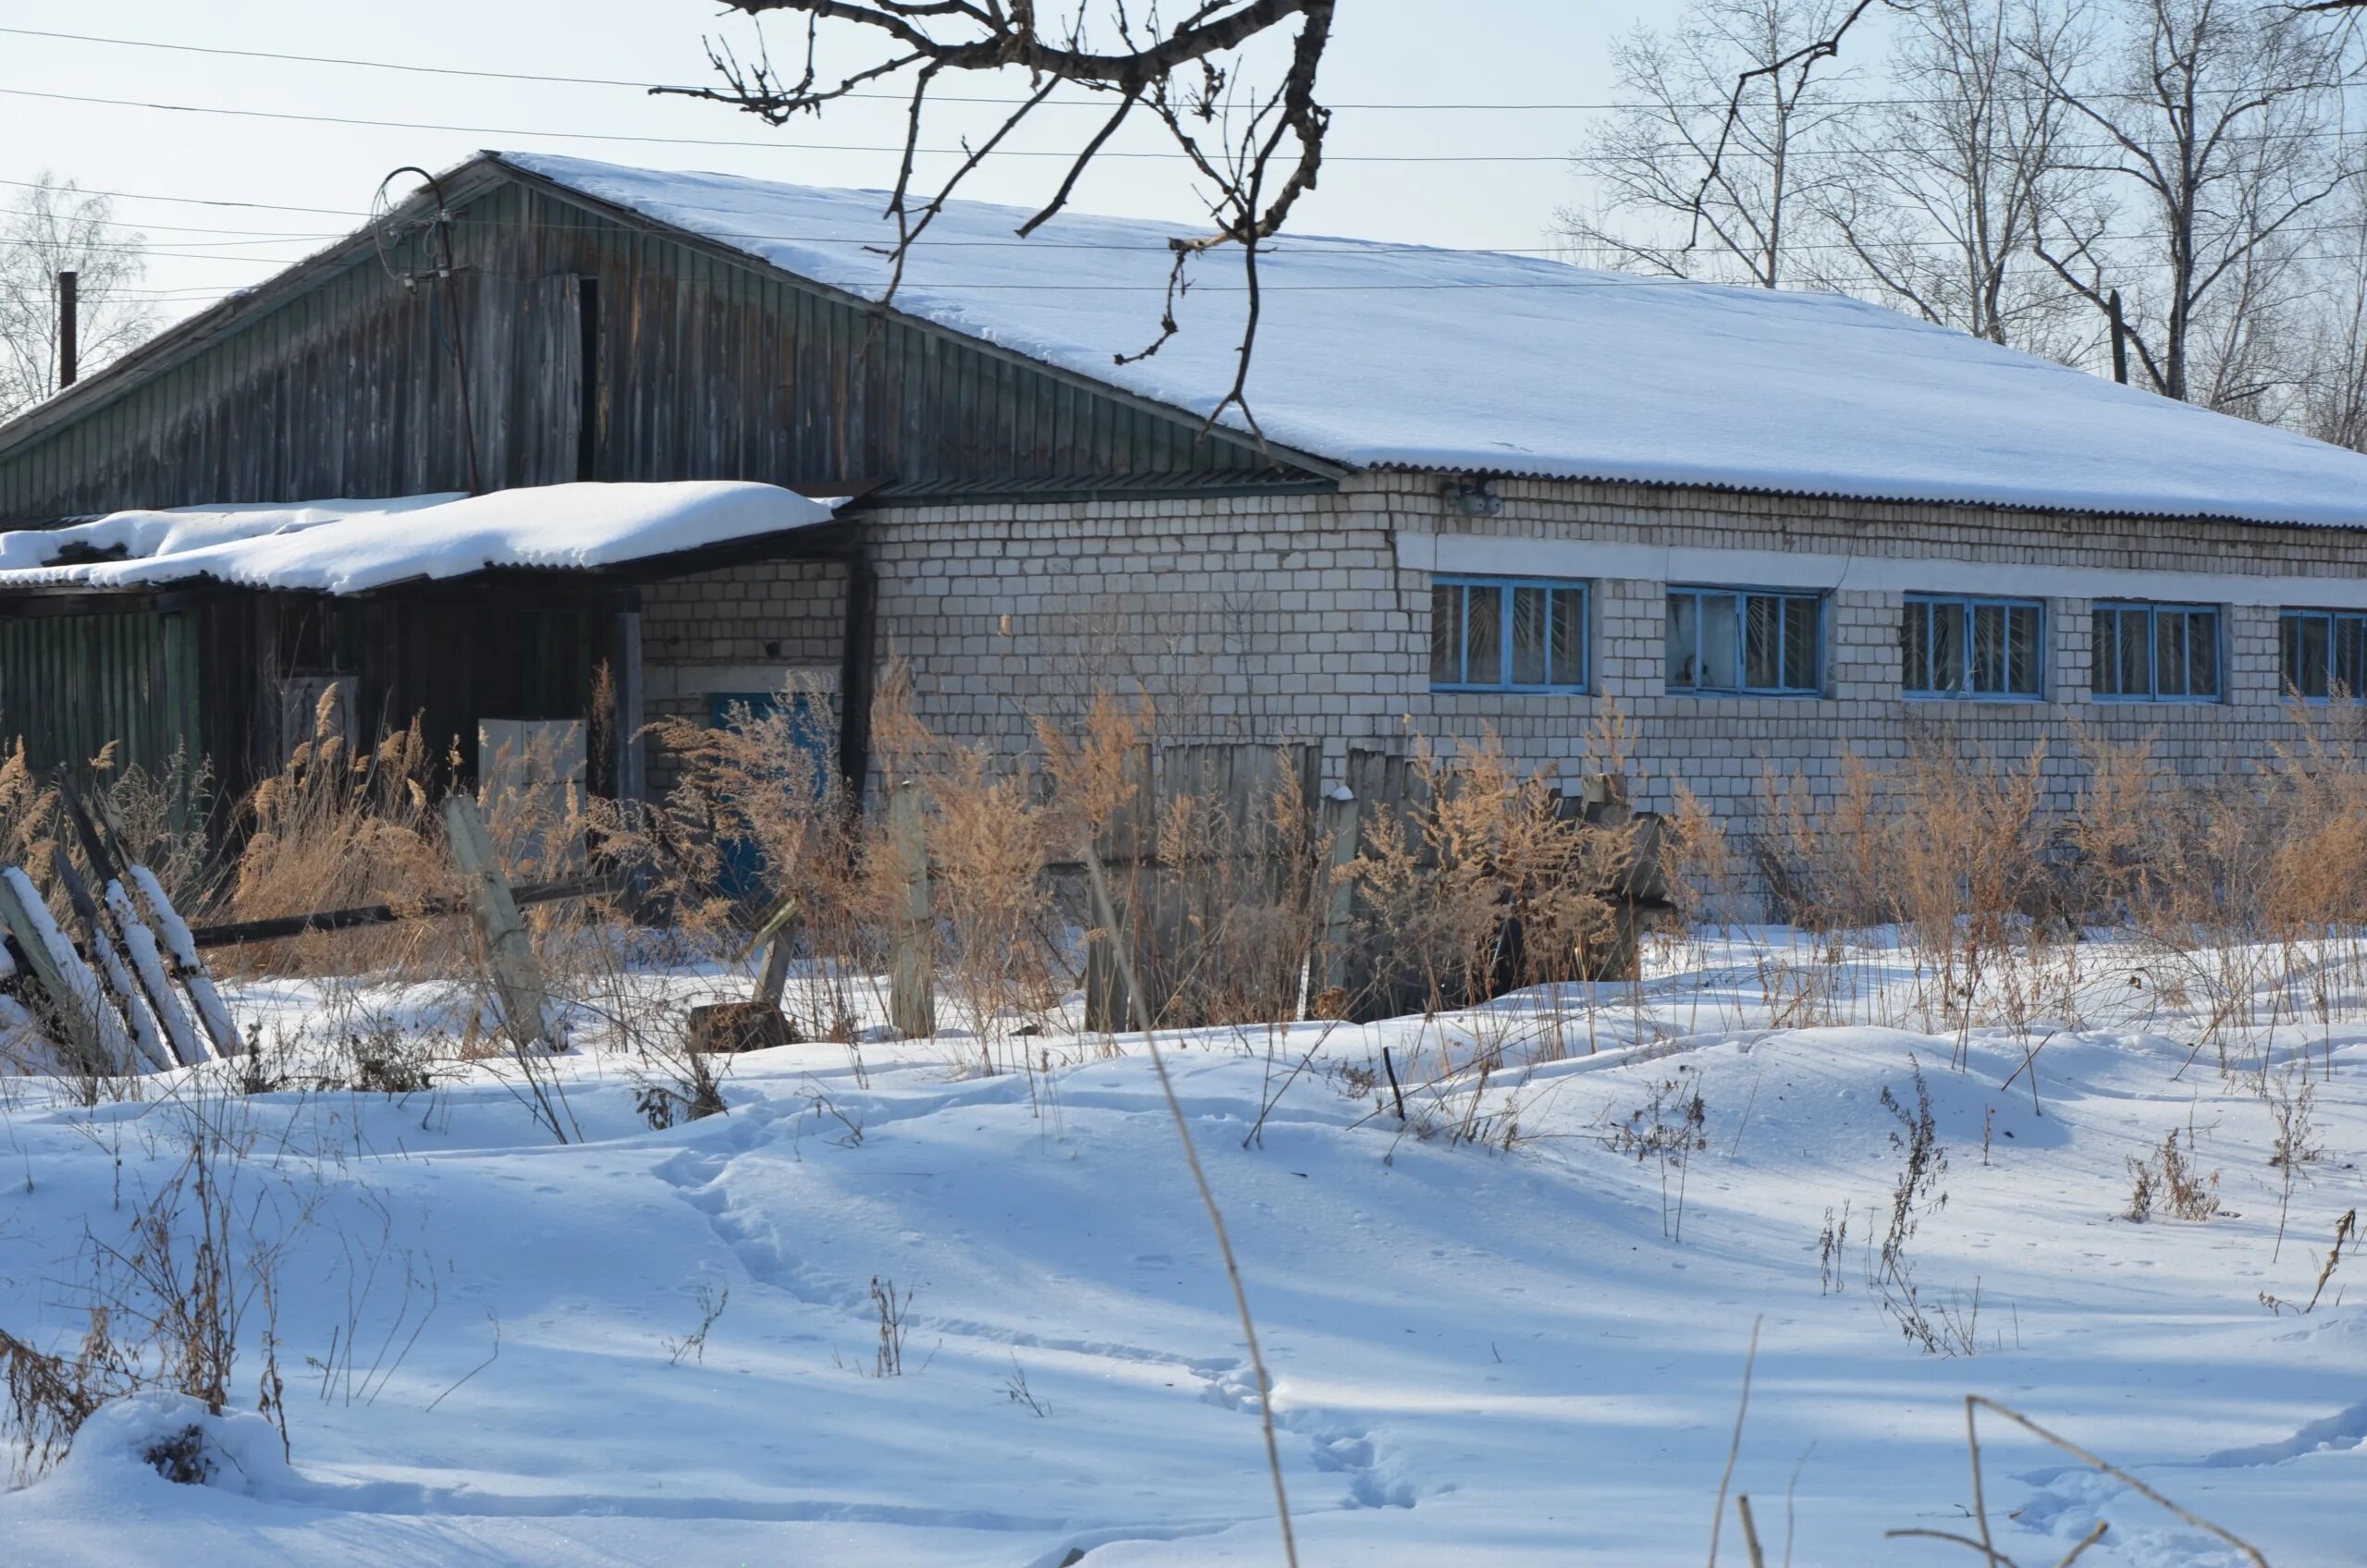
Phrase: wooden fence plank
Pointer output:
(92, 1033)
(510, 949)
(912, 996)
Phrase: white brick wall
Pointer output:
(1268, 618)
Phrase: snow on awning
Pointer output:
(352, 546)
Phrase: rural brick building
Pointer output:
(1484, 491)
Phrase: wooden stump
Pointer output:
(731, 1027)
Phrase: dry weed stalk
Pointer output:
(1493, 885)
(2169, 1178)
(167, 1307)
(1986, 1544)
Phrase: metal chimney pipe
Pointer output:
(68, 348)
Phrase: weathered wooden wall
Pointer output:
(702, 367)
(71, 685)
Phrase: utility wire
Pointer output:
(1065, 154)
(193, 201)
(1286, 245)
(1095, 102)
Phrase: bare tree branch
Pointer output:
(1255, 153)
(1801, 62)
(1675, 170)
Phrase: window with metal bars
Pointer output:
(2148, 652)
(1753, 640)
(2325, 654)
(1507, 635)
(1954, 646)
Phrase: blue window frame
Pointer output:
(2151, 653)
(1762, 641)
(2325, 654)
(1958, 645)
(1507, 635)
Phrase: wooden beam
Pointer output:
(632, 761)
(281, 926)
(856, 654)
(73, 991)
(510, 951)
(911, 993)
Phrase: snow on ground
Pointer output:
(1480, 1354)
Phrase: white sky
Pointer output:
(1385, 52)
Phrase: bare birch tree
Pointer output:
(55, 227)
(1938, 191)
(2220, 119)
(2332, 352)
(1689, 187)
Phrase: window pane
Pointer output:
(2169, 653)
(1569, 637)
(1721, 625)
(2136, 653)
(2308, 656)
(1446, 633)
(1947, 647)
(2104, 634)
(1915, 646)
(2202, 652)
(2350, 656)
(1987, 649)
(1529, 636)
(1484, 665)
(2021, 650)
(1763, 641)
(1799, 645)
(1684, 622)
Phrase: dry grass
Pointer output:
(193, 1282)
(1489, 883)
(335, 828)
(2242, 896)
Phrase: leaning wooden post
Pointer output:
(93, 1033)
(517, 977)
(912, 999)
(1342, 829)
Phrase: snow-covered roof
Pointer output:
(354, 546)
(1377, 355)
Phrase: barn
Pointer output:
(1468, 491)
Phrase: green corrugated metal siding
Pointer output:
(71, 685)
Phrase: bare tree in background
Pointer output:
(2333, 395)
(2219, 116)
(1256, 148)
(55, 227)
(1691, 188)
(1939, 190)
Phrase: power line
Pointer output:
(643, 139)
(144, 252)
(1066, 154)
(1286, 244)
(192, 200)
(1093, 103)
